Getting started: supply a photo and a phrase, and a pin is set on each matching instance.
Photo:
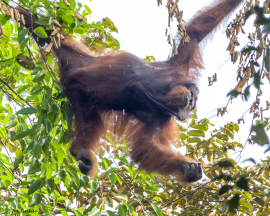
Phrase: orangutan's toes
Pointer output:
(192, 171)
(85, 166)
(82, 155)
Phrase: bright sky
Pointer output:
(141, 26)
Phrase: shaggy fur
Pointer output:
(144, 97)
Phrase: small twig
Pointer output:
(86, 202)
(6, 84)
(8, 59)
(15, 176)
(11, 97)
(6, 149)
(49, 68)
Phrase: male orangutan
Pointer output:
(128, 96)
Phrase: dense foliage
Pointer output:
(38, 176)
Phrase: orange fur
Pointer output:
(144, 97)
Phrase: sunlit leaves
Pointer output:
(97, 26)
(105, 163)
(152, 188)
(88, 9)
(121, 196)
(157, 209)
(196, 133)
(40, 31)
(122, 210)
(245, 204)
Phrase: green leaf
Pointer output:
(257, 80)
(183, 136)
(39, 77)
(68, 202)
(22, 134)
(246, 204)
(50, 185)
(194, 140)
(23, 44)
(34, 167)
(260, 137)
(112, 178)
(105, 36)
(63, 212)
(86, 211)
(224, 189)
(242, 183)
(36, 199)
(94, 212)
(105, 163)
(267, 58)
(130, 208)
(97, 26)
(40, 32)
(36, 90)
(42, 22)
(233, 93)
(11, 124)
(228, 162)
(234, 203)
(35, 186)
(21, 35)
(222, 136)
(110, 213)
(121, 196)
(122, 210)
(157, 209)
(247, 93)
(49, 170)
(249, 48)
(152, 188)
(60, 155)
(113, 169)
(78, 30)
(88, 9)
(18, 160)
(247, 196)
(26, 111)
(196, 133)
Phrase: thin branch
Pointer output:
(11, 97)
(86, 202)
(6, 84)
(15, 176)
(6, 149)
(49, 68)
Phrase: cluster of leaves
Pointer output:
(248, 66)
(38, 176)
